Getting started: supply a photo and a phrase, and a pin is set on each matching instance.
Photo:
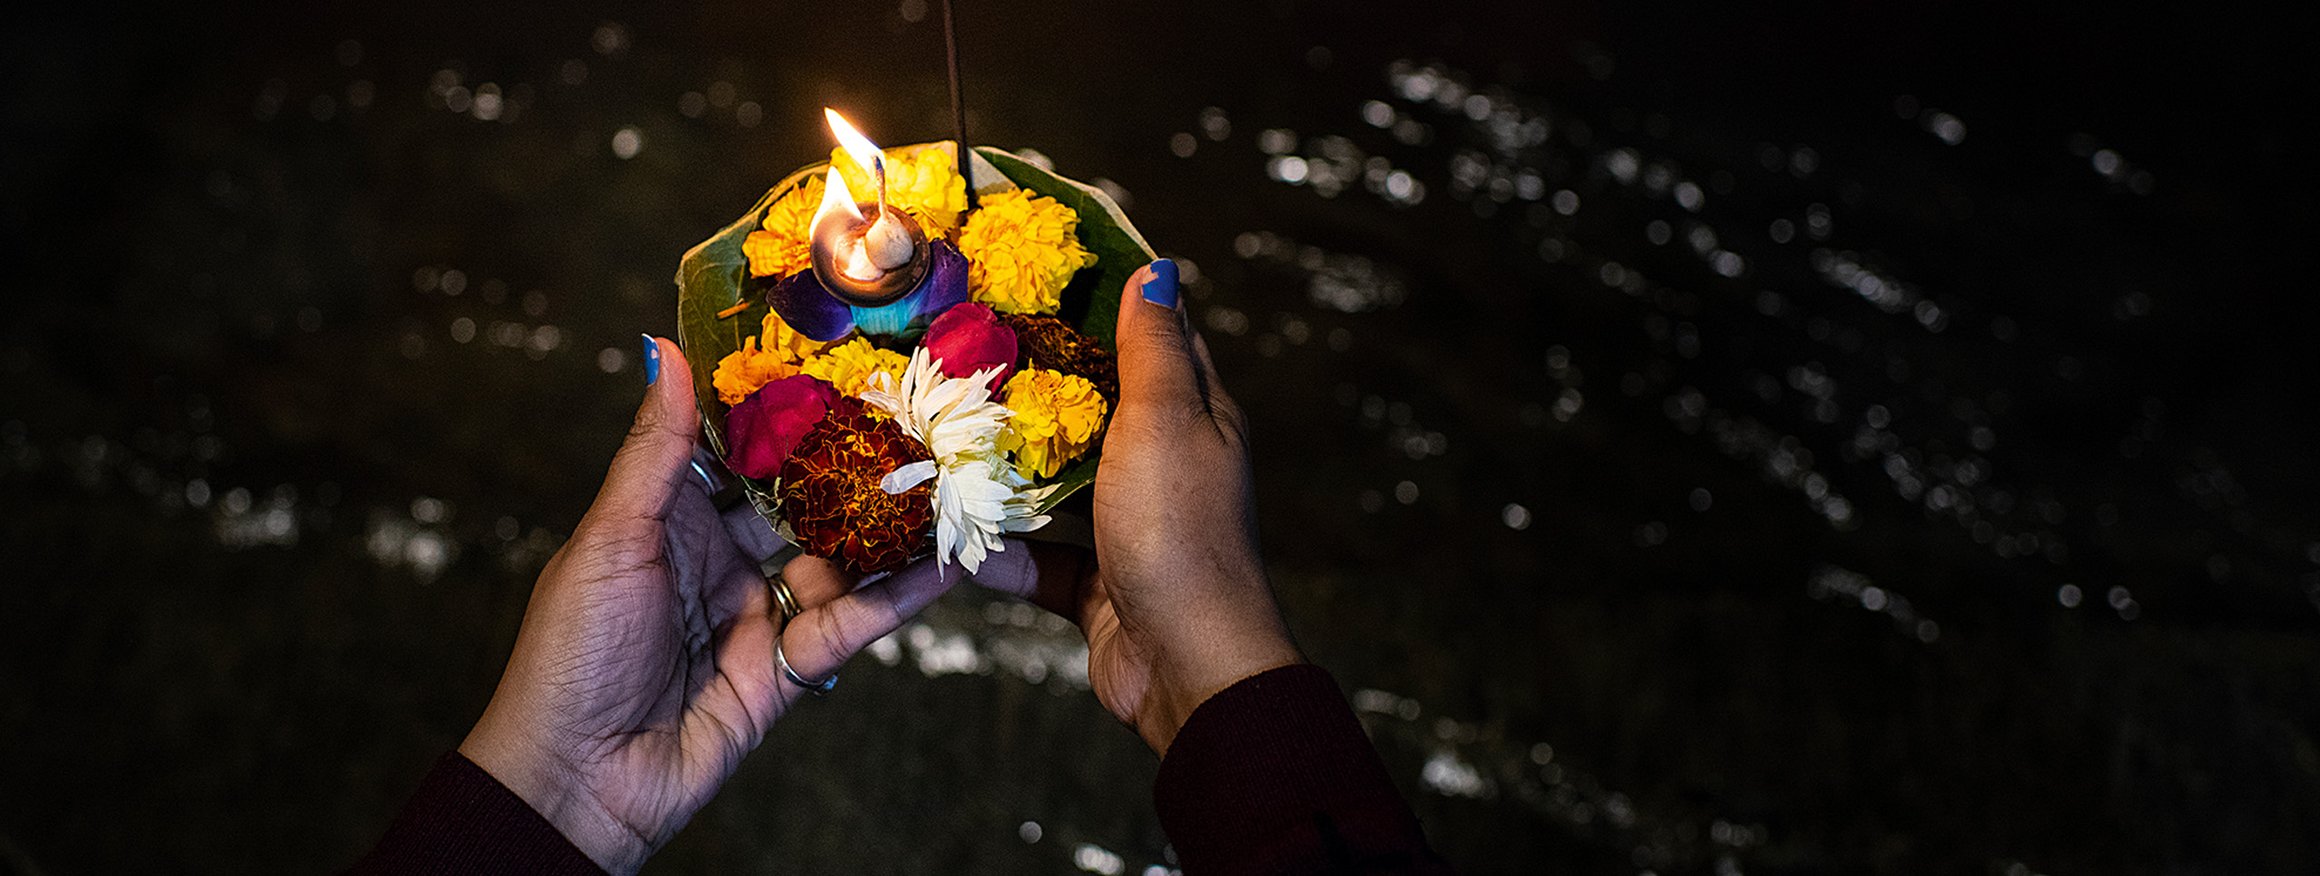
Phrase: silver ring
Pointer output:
(817, 688)
(707, 480)
(783, 599)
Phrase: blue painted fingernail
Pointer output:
(1161, 288)
(652, 360)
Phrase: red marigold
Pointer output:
(831, 496)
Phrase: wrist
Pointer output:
(1180, 686)
(556, 790)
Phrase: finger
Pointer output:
(816, 581)
(825, 637)
(1156, 363)
(654, 460)
(1220, 403)
(738, 705)
(1050, 576)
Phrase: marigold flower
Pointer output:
(833, 498)
(783, 243)
(848, 366)
(742, 371)
(924, 184)
(1022, 249)
(1056, 419)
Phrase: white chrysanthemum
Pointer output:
(978, 497)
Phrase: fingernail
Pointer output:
(1161, 288)
(652, 360)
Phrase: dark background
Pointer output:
(1823, 437)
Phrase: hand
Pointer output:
(1174, 602)
(644, 670)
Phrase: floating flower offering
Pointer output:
(905, 368)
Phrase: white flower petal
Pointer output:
(902, 479)
(977, 495)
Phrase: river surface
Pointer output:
(1815, 440)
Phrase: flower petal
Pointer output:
(968, 338)
(945, 284)
(765, 427)
(902, 479)
(809, 308)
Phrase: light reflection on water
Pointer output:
(1441, 288)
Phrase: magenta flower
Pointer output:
(968, 338)
(766, 426)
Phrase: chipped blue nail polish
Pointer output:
(1161, 288)
(652, 360)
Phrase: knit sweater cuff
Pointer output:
(461, 820)
(1274, 774)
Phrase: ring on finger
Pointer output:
(708, 481)
(817, 688)
(783, 599)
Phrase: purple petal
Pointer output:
(809, 308)
(945, 284)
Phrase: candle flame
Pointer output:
(836, 224)
(836, 200)
(857, 249)
(858, 147)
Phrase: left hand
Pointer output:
(644, 670)
(1174, 600)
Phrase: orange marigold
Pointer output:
(742, 371)
(782, 245)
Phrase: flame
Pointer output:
(835, 224)
(864, 248)
(858, 147)
(836, 200)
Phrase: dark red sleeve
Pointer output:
(461, 820)
(1274, 775)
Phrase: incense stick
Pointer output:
(963, 157)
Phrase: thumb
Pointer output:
(655, 458)
(1157, 367)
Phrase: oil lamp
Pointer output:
(868, 254)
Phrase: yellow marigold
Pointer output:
(848, 366)
(1021, 251)
(1056, 416)
(784, 341)
(924, 184)
(782, 244)
(744, 370)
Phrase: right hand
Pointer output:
(1174, 602)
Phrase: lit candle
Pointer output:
(864, 259)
